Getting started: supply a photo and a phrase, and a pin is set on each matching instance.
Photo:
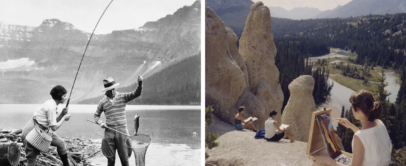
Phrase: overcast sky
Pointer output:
(83, 14)
(290, 4)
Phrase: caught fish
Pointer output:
(136, 123)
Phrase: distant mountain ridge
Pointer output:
(234, 13)
(295, 13)
(54, 50)
(365, 7)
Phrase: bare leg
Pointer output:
(287, 132)
(250, 125)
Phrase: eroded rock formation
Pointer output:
(258, 51)
(248, 74)
(225, 81)
(298, 111)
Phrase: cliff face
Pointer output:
(56, 47)
(225, 80)
(258, 51)
(245, 77)
(298, 111)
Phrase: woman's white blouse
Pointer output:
(377, 145)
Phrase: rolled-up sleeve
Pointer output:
(51, 115)
(132, 95)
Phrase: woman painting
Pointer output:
(371, 145)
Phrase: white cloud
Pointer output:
(290, 4)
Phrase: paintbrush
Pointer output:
(334, 119)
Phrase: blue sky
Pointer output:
(83, 14)
(290, 4)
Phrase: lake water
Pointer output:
(172, 141)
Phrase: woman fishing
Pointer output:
(371, 145)
(46, 118)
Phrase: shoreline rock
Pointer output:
(79, 150)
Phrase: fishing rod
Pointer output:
(110, 128)
(88, 42)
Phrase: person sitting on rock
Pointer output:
(240, 123)
(272, 130)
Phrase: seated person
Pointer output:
(240, 123)
(273, 131)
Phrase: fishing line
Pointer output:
(88, 42)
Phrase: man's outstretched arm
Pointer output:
(132, 95)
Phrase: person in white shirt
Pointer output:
(47, 118)
(371, 145)
(272, 130)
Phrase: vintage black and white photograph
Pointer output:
(100, 82)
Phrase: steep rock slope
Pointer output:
(247, 77)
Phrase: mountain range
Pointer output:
(354, 8)
(365, 7)
(34, 59)
(234, 12)
(295, 13)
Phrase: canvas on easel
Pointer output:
(322, 137)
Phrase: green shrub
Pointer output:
(210, 138)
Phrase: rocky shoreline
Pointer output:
(79, 150)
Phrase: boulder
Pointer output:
(258, 51)
(298, 110)
(225, 81)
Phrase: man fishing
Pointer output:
(113, 106)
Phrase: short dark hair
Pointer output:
(241, 108)
(57, 92)
(365, 101)
(273, 113)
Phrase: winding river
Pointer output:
(340, 94)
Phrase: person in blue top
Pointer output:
(240, 123)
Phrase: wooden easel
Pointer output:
(315, 143)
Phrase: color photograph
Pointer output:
(280, 61)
